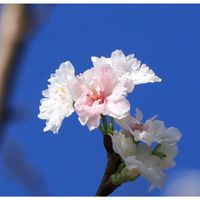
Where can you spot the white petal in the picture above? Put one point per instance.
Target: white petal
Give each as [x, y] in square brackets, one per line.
[139, 115]
[118, 108]
[118, 58]
[58, 103]
[143, 74]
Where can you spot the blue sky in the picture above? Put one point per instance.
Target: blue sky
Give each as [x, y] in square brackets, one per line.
[166, 37]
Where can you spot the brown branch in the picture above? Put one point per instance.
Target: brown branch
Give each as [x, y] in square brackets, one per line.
[12, 29]
[113, 161]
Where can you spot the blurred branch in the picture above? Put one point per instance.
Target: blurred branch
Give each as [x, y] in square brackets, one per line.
[17, 24]
[20, 169]
[13, 26]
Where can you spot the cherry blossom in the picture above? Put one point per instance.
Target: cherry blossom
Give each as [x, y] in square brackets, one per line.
[99, 91]
[58, 102]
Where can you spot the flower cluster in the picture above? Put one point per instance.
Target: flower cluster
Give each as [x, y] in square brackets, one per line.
[101, 91]
[147, 149]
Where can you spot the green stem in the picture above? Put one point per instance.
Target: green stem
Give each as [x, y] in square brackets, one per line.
[111, 123]
[102, 129]
[105, 125]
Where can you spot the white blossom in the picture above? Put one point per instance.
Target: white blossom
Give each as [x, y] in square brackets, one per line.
[128, 68]
[58, 102]
[146, 148]
[99, 91]
[123, 144]
[148, 165]
[152, 130]
[150, 162]
[138, 158]
[170, 136]
[170, 151]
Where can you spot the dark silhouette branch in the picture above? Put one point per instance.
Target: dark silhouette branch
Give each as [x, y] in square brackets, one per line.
[113, 161]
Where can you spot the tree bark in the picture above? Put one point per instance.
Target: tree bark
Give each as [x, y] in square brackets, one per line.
[106, 186]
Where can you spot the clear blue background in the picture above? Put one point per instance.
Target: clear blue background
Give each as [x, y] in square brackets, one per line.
[166, 37]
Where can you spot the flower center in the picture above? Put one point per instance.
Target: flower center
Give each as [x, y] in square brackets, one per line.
[95, 97]
[62, 93]
[138, 127]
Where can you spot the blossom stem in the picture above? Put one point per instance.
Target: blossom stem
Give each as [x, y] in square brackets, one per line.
[106, 186]
[105, 125]
[111, 123]
[101, 129]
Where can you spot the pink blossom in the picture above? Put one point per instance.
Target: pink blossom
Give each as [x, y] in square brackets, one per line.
[99, 91]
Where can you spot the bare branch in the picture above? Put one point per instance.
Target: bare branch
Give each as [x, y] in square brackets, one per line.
[12, 29]
[113, 161]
